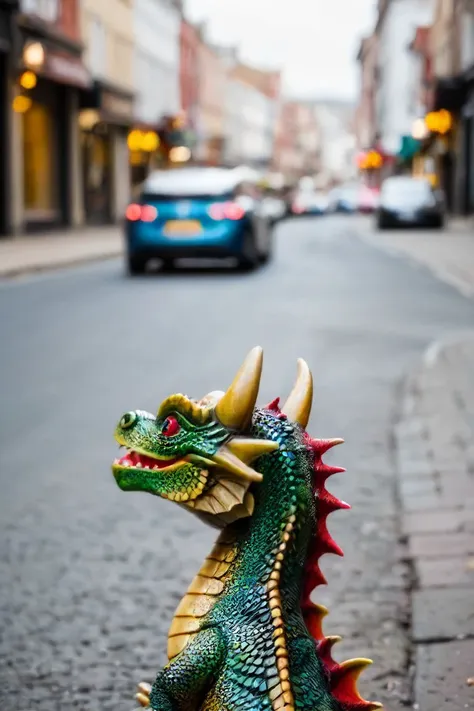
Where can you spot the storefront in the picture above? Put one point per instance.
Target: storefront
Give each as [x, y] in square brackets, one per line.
[105, 118]
[455, 96]
[49, 77]
[7, 10]
[466, 182]
[146, 152]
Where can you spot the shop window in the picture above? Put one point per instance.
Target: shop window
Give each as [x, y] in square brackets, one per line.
[40, 196]
[97, 176]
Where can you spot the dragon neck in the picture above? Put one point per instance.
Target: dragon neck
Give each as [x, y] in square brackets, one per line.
[282, 524]
[287, 530]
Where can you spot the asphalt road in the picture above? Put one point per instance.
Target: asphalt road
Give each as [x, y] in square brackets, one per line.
[89, 575]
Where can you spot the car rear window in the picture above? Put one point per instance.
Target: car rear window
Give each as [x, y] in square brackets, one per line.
[163, 197]
[402, 188]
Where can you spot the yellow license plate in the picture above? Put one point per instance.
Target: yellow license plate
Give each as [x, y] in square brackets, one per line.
[182, 228]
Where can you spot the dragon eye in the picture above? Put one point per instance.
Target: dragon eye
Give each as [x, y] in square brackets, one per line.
[128, 420]
[170, 427]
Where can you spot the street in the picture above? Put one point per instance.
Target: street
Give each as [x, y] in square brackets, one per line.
[90, 575]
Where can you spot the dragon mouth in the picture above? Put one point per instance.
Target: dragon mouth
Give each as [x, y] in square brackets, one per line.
[136, 460]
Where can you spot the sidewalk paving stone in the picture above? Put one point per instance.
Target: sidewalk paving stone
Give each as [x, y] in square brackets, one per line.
[437, 500]
[445, 572]
[456, 621]
[443, 674]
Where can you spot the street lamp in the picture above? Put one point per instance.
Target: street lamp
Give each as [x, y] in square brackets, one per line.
[33, 55]
[419, 129]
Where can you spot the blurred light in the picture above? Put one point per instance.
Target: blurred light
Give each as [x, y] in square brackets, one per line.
[297, 208]
[28, 80]
[232, 211]
[419, 129]
[88, 118]
[226, 211]
[147, 141]
[180, 154]
[149, 213]
[146, 213]
[150, 141]
[133, 212]
[134, 140]
[439, 121]
[21, 104]
[370, 161]
[33, 55]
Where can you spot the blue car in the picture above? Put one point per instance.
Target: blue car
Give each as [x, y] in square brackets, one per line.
[197, 212]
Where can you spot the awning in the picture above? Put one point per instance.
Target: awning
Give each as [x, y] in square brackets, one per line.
[409, 147]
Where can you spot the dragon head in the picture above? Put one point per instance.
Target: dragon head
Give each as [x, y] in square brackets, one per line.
[200, 453]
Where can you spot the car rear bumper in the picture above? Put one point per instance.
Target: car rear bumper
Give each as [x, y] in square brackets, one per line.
[225, 240]
[419, 218]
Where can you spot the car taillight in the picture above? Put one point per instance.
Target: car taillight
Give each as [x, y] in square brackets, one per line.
[145, 213]
[226, 211]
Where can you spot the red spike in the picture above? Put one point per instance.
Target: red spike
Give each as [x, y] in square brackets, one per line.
[344, 684]
[330, 546]
[327, 503]
[312, 579]
[274, 406]
[320, 446]
[327, 469]
[313, 616]
[324, 653]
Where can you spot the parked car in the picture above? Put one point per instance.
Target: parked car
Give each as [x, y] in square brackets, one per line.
[309, 202]
[344, 199]
[410, 202]
[197, 212]
[274, 208]
[368, 199]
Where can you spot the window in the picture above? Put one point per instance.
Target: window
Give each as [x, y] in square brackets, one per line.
[39, 163]
[97, 47]
[467, 40]
[47, 10]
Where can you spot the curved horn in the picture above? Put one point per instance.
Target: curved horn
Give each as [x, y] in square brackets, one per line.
[298, 406]
[235, 408]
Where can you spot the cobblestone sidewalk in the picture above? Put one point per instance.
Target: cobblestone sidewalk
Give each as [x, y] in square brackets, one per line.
[21, 255]
[435, 446]
[449, 253]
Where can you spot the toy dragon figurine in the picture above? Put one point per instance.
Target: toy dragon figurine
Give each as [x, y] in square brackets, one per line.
[246, 636]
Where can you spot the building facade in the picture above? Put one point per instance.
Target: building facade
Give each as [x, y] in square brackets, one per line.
[210, 119]
[156, 71]
[365, 112]
[298, 142]
[251, 103]
[336, 121]
[190, 41]
[287, 158]
[107, 110]
[452, 48]
[8, 10]
[396, 70]
[47, 79]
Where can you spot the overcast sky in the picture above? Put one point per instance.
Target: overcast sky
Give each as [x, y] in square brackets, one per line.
[315, 42]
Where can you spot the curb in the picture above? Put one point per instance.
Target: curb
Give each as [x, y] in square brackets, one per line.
[13, 272]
